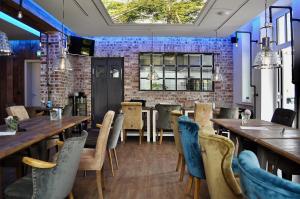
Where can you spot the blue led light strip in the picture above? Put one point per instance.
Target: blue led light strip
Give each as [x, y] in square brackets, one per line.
[19, 24]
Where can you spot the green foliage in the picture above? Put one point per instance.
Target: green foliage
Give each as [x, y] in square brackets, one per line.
[154, 11]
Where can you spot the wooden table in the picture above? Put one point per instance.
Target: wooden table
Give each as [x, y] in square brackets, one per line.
[37, 129]
[286, 145]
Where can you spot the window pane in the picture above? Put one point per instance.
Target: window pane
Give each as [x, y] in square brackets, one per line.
[169, 59]
[183, 59]
[195, 72]
[181, 84]
[144, 84]
[157, 84]
[170, 72]
[280, 30]
[170, 84]
[145, 59]
[182, 72]
[195, 84]
[157, 59]
[207, 60]
[288, 31]
[195, 60]
[207, 85]
[144, 71]
[159, 71]
[207, 73]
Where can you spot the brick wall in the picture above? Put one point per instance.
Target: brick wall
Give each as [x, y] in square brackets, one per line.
[129, 47]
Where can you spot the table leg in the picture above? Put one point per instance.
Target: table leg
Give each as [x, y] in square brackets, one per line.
[154, 125]
[148, 126]
[122, 137]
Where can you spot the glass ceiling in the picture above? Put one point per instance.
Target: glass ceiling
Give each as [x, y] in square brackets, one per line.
[154, 11]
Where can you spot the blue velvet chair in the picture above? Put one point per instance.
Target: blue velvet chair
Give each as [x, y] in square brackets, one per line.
[192, 155]
[260, 184]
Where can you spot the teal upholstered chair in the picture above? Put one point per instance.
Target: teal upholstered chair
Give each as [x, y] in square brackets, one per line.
[192, 154]
[260, 184]
[164, 117]
[50, 180]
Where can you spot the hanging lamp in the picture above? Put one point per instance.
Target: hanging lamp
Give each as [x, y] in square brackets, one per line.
[5, 49]
[62, 63]
[217, 76]
[267, 58]
[152, 75]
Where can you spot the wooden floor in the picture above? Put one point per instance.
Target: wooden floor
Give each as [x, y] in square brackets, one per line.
[146, 171]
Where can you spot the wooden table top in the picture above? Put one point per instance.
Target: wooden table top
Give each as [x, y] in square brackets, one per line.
[37, 129]
[274, 130]
[289, 148]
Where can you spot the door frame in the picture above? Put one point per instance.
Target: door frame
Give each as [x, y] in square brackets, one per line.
[92, 80]
[26, 65]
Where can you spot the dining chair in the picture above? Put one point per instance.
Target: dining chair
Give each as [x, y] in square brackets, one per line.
[132, 118]
[203, 114]
[226, 113]
[67, 110]
[113, 141]
[92, 159]
[217, 154]
[191, 150]
[163, 120]
[284, 117]
[19, 111]
[174, 124]
[50, 180]
[257, 183]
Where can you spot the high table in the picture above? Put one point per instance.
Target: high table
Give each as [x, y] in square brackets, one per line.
[286, 145]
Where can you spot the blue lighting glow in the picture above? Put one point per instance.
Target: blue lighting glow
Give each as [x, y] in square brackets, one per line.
[19, 24]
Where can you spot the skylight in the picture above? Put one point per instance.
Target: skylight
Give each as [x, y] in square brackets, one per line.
[154, 11]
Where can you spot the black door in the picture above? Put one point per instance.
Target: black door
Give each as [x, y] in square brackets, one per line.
[107, 86]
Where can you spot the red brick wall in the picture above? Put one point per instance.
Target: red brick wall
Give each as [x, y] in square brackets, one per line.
[129, 47]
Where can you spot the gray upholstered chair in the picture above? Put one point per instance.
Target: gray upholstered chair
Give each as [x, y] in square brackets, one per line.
[113, 140]
[50, 180]
[226, 113]
[164, 117]
[68, 110]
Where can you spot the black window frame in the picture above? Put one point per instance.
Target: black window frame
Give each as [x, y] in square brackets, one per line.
[178, 66]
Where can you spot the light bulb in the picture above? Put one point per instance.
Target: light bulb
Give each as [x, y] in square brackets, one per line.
[20, 14]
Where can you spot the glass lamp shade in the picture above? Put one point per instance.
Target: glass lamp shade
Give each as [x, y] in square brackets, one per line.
[62, 64]
[217, 76]
[267, 59]
[5, 49]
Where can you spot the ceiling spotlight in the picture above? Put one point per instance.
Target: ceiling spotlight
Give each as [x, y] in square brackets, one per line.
[223, 12]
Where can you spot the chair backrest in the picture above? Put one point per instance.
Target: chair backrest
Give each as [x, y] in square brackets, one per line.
[58, 181]
[18, 111]
[259, 184]
[174, 124]
[191, 148]
[217, 155]
[203, 114]
[229, 113]
[283, 116]
[132, 115]
[103, 137]
[164, 115]
[68, 110]
[115, 132]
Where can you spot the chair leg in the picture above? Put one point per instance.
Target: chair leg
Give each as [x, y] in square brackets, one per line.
[71, 196]
[110, 162]
[189, 184]
[116, 158]
[197, 188]
[178, 161]
[182, 170]
[124, 135]
[161, 136]
[102, 179]
[99, 184]
[141, 132]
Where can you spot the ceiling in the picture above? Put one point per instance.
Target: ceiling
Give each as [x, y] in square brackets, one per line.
[90, 18]
[15, 33]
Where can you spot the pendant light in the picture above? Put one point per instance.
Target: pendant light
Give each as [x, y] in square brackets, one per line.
[267, 58]
[152, 74]
[217, 76]
[62, 63]
[5, 49]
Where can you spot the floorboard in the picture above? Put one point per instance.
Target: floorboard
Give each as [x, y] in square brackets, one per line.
[145, 171]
